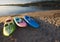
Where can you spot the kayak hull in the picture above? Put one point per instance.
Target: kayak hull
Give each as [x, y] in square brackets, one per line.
[19, 23]
[9, 28]
[31, 21]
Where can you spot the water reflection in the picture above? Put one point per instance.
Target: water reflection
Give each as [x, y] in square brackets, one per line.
[11, 10]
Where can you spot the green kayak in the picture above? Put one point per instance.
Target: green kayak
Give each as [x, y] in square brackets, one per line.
[9, 27]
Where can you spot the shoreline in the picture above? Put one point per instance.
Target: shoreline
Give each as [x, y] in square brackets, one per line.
[37, 13]
[51, 14]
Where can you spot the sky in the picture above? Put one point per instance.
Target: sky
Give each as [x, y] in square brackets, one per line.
[19, 1]
[16, 1]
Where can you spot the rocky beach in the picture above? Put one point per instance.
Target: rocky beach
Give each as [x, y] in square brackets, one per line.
[49, 30]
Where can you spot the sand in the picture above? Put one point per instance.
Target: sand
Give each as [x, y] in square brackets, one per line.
[49, 30]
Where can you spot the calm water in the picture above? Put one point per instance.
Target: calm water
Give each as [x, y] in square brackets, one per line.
[12, 10]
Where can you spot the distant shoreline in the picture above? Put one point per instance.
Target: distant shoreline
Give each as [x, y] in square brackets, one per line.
[46, 3]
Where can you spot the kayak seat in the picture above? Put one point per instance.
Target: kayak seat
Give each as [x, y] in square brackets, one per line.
[8, 20]
[6, 25]
[18, 20]
[10, 23]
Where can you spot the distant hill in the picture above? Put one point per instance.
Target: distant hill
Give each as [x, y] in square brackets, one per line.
[43, 3]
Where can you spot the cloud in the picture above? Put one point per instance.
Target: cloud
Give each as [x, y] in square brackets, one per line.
[17, 1]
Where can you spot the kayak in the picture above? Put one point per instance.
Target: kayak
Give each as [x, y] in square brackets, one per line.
[9, 27]
[19, 22]
[31, 21]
